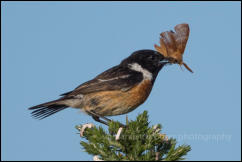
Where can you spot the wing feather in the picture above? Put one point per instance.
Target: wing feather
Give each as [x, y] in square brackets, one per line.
[116, 78]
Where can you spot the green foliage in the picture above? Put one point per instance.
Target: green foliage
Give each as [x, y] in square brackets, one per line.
[137, 141]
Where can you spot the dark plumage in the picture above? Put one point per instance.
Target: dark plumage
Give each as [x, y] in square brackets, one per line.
[116, 91]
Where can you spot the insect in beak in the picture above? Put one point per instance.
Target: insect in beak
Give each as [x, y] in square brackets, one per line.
[173, 44]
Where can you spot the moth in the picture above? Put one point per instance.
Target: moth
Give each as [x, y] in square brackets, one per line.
[173, 44]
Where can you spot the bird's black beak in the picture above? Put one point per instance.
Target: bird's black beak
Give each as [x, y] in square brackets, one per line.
[163, 60]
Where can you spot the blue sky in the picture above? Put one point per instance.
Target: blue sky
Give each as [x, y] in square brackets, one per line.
[49, 48]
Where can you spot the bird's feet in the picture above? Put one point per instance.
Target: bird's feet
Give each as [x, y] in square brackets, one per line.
[97, 117]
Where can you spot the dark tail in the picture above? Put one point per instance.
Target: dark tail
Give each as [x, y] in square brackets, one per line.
[46, 109]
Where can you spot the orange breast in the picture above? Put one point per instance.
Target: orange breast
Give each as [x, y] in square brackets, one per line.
[108, 103]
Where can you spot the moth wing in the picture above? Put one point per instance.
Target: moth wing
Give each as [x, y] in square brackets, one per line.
[181, 36]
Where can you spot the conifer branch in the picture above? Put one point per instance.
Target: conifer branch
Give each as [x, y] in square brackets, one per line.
[138, 141]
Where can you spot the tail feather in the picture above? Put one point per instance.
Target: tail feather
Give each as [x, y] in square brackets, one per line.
[46, 109]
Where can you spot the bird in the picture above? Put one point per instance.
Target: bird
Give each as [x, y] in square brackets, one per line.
[116, 91]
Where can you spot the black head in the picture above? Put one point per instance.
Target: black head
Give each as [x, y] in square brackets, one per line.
[150, 60]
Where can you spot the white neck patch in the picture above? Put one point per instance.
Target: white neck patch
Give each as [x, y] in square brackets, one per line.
[146, 74]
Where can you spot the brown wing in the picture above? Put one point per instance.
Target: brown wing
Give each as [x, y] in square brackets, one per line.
[173, 44]
[116, 78]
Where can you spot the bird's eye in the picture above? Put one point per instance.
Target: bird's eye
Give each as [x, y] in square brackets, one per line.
[152, 58]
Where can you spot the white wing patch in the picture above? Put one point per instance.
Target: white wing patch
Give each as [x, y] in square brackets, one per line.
[137, 67]
[122, 77]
